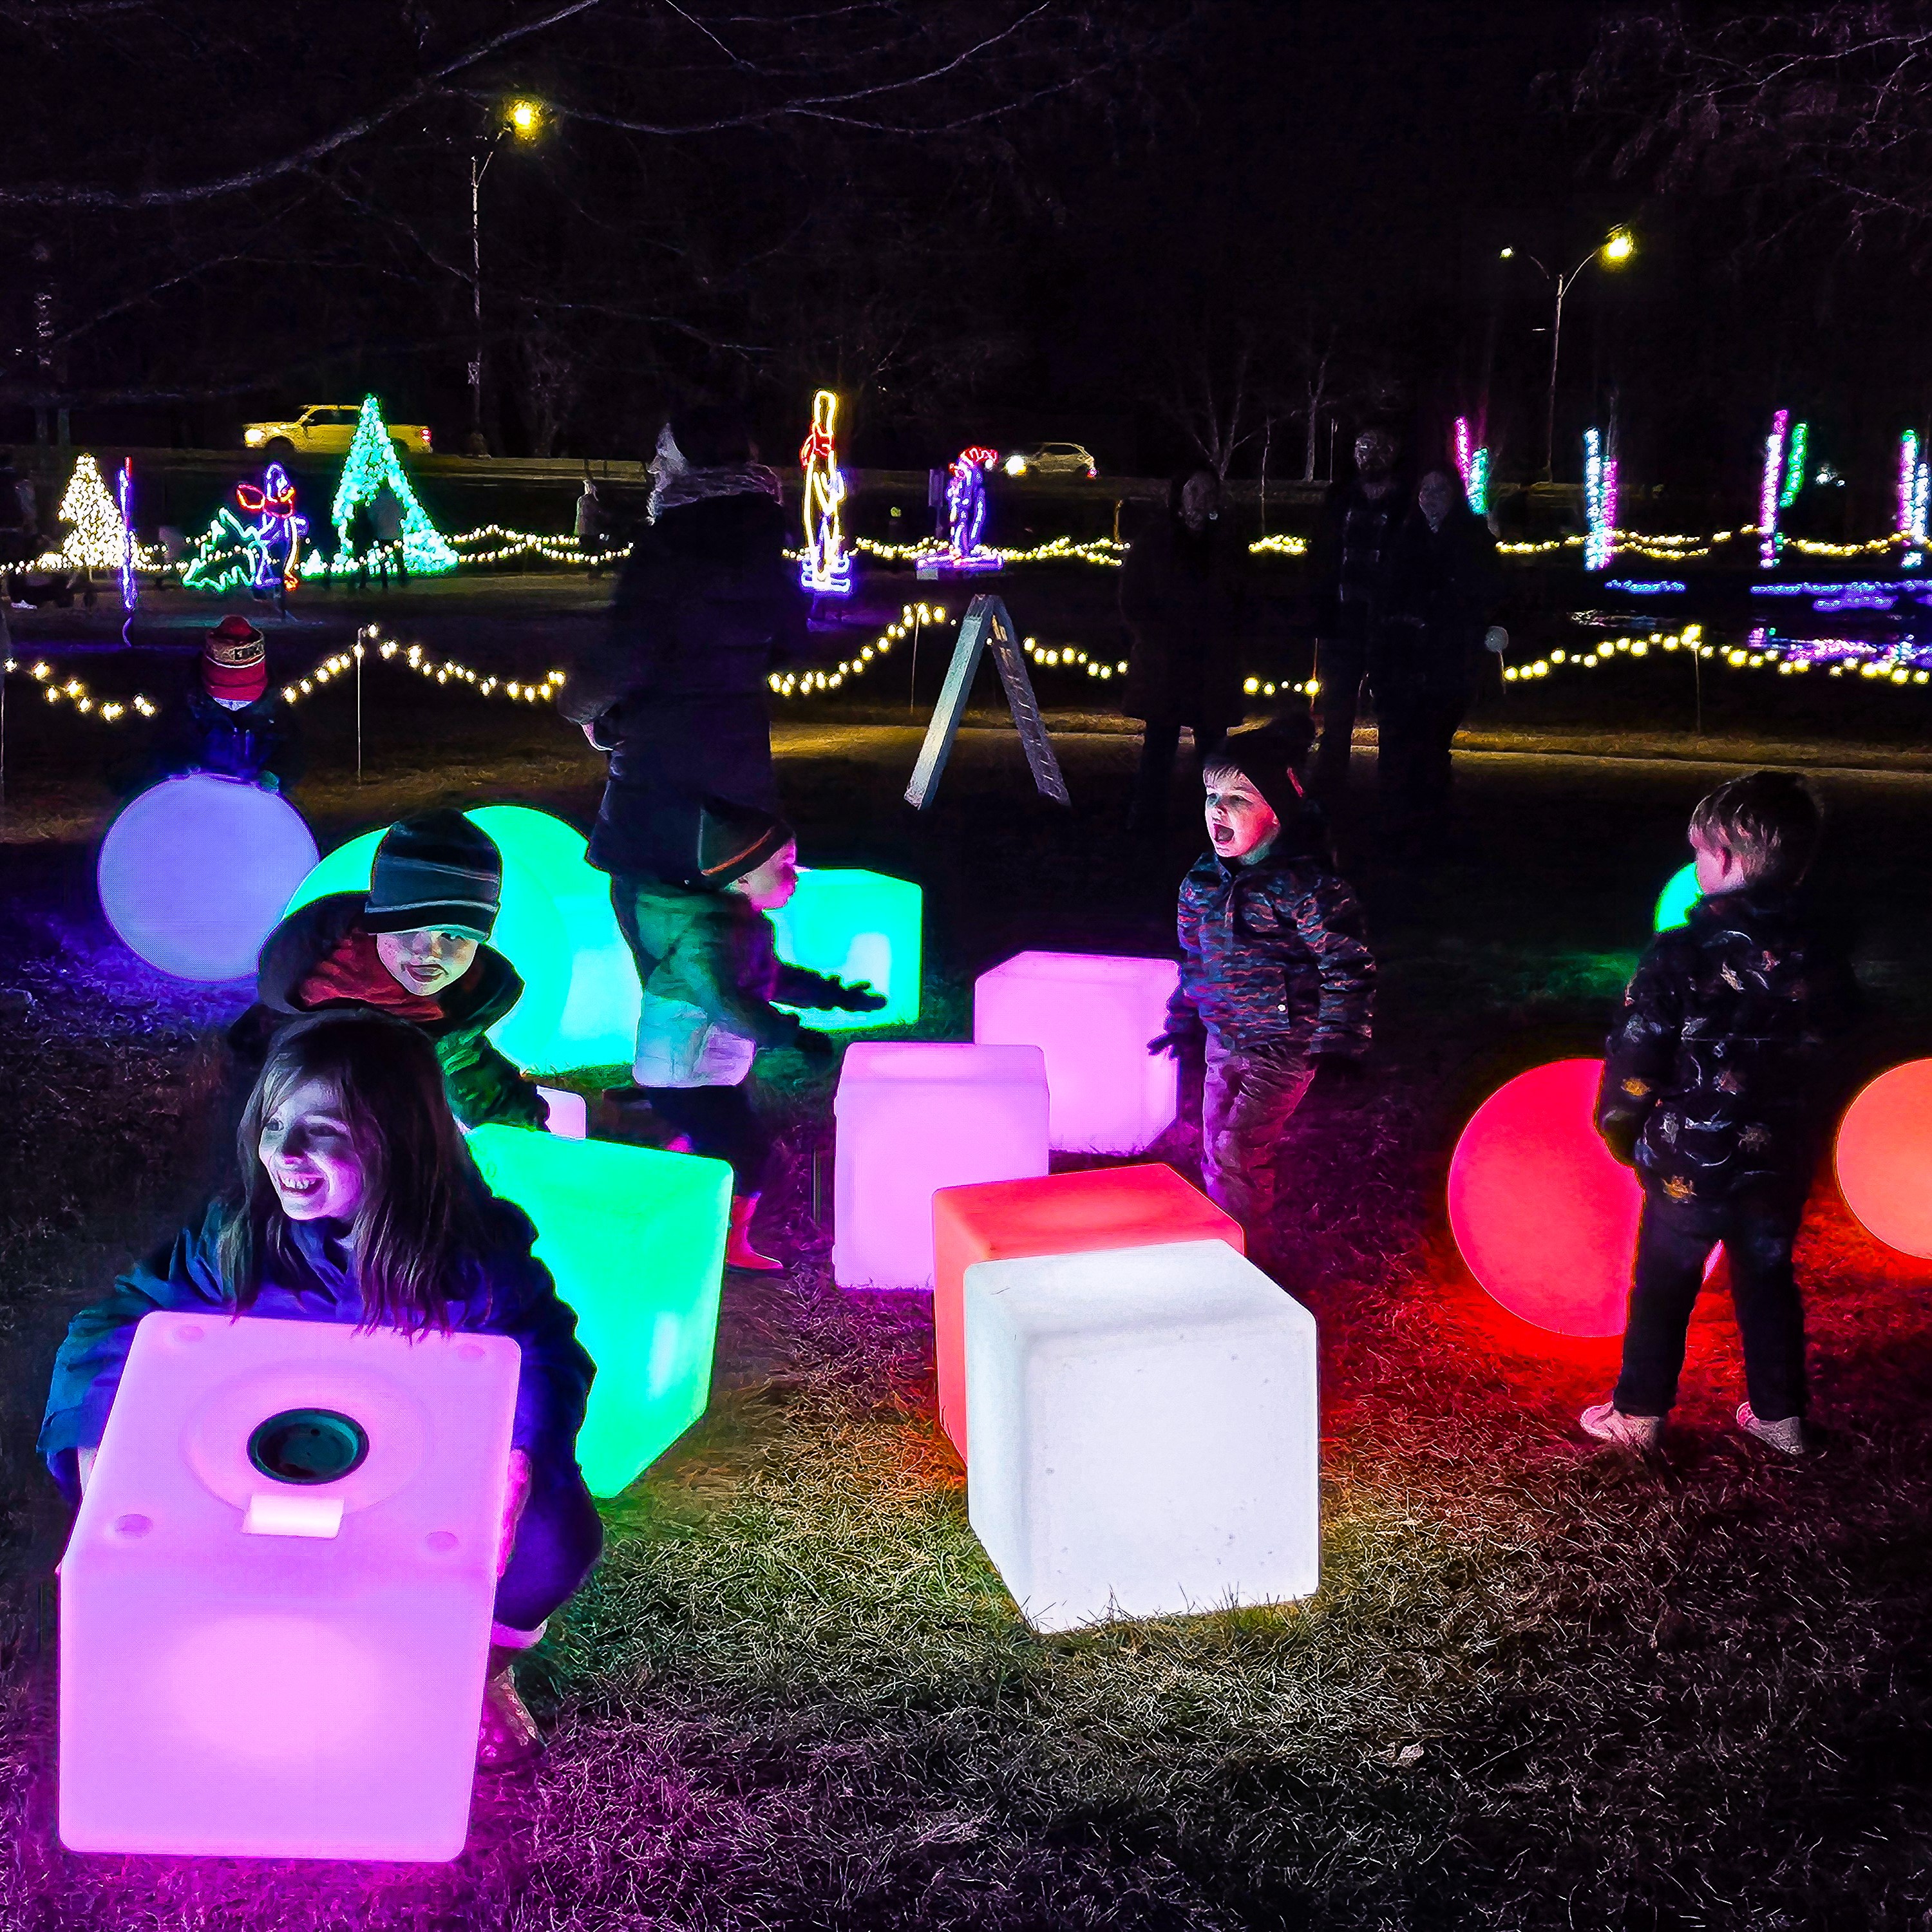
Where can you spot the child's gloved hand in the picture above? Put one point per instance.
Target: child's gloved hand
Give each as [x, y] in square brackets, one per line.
[815, 1044]
[858, 999]
[1177, 1040]
[1335, 1075]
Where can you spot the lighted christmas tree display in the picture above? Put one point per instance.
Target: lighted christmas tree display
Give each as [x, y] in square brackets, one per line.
[371, 463]
[98, 539]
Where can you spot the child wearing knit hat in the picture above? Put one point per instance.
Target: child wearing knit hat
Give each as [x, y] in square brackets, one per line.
[227, 722]
[415, 946]
[1276, 978]
[708, 962]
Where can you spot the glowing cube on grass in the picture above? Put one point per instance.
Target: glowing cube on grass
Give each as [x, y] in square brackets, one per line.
[914, 1117]
[1058, 1214]
[856, 926]
[275, 1606]
[635, 1239]
[1144, 1432]
[555, 925]
[1092, 1014]
[1883, 1157]
[194, 872]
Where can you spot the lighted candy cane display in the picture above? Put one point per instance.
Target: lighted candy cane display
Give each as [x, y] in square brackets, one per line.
[1600, 503]
[1472, 465]
[1769, 488]
[827, 569]
[130, 584]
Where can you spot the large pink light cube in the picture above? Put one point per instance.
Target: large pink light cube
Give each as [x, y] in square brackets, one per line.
[1058, 1214]
[915, 1116]
[1092, 1014]
[275, 1606]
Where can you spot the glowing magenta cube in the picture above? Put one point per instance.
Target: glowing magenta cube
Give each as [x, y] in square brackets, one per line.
[1144, 1433]
[275, 1606]
[914, 1117]
[1092, 1015]
[1056, 1214]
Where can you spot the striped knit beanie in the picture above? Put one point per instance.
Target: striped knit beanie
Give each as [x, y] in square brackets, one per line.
[734, 839]
[435, 870]
[234, 661]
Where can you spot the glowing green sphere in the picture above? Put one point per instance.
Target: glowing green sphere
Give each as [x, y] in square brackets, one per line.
[1674, 901]
[635, 1240]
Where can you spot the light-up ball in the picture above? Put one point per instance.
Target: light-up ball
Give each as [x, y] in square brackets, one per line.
[554, 926]
[194, 872]
[1674, 901]
[1545, 1217]
[1884, 1159]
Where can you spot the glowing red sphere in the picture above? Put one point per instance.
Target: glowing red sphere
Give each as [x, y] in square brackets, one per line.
[1545, 1218]
[1884, 1159]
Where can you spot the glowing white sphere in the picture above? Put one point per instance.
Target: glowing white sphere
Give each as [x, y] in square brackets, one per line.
[194, 872]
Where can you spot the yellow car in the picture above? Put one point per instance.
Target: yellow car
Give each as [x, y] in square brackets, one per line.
[328, 429]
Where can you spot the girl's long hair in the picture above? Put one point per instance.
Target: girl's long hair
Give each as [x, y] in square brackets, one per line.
[418, 1236]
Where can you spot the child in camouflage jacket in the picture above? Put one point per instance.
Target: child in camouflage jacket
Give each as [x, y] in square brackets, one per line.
[1714, 1090]
[1276, 975]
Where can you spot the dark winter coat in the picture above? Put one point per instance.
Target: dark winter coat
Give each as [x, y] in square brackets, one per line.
[1183, 598]
[709, 963]
[1716, 1078]
[1352, 542]
[1433, 603]
[705, 605]
[1274, 953]
[483, 1085]
[195, 734]
[511, 1293]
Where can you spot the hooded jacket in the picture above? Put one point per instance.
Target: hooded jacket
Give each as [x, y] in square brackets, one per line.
[677, 693]
[483, 1085]
[710, 969]
[1716, 1078]
[1274, 954]
[510, 1293]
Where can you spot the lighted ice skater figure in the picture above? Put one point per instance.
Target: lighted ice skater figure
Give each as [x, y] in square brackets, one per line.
[827, 568]
[965, 515]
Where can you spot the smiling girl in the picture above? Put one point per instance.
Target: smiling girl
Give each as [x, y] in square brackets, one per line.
[358, 1202]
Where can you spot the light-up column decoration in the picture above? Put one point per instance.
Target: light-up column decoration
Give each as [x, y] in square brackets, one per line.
[1600, 503]
[1768, 488]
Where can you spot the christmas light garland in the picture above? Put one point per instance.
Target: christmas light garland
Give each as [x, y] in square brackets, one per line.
[73, 690]
[1899, 662]
[369, 641]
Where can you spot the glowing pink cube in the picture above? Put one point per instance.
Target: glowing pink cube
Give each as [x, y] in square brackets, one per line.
[915, 1116]
[275, 1606]
[1092, 1014]
[1058, 1214]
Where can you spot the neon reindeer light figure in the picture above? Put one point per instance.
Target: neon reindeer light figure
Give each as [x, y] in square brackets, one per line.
[827, 568]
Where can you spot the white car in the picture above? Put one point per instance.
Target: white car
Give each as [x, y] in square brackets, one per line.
[328, 429]
[1053, 459]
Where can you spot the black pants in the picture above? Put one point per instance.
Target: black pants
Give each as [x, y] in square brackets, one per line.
[559, 1538]
[1414, 727]
[1674, 1240]
[1340, 665]
[1153, 782]
[719, 1121]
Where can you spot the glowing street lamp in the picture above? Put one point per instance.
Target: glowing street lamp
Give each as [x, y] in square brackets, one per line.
[524, 118]
[1616, 248]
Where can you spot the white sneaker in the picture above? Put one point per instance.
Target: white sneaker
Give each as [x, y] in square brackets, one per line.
[1608, 1424]
[1787, 1436]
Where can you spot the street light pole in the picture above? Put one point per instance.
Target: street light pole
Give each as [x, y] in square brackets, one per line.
[1616, 248]
[523, 118]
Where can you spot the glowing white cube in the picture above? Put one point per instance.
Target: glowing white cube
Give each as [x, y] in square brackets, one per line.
[1143, 1424]
[1092, 1014]
[275, 1605]
[914, 1117]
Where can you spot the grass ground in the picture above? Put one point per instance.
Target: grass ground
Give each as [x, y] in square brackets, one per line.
[1538, 1688]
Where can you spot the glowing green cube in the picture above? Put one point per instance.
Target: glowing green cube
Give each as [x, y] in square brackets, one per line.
[1674, 901]
[635, 1241]
[555, 926]
[856, 926]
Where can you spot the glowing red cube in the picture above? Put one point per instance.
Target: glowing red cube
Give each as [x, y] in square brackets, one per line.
[275, 1605]
[1059, 1214]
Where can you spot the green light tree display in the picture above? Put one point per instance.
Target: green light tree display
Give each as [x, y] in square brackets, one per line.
[371, 463]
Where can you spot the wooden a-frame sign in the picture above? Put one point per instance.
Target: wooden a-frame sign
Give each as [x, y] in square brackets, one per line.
[987, 622]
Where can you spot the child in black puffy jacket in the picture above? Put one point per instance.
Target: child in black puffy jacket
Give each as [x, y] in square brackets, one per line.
[1715, 1089]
